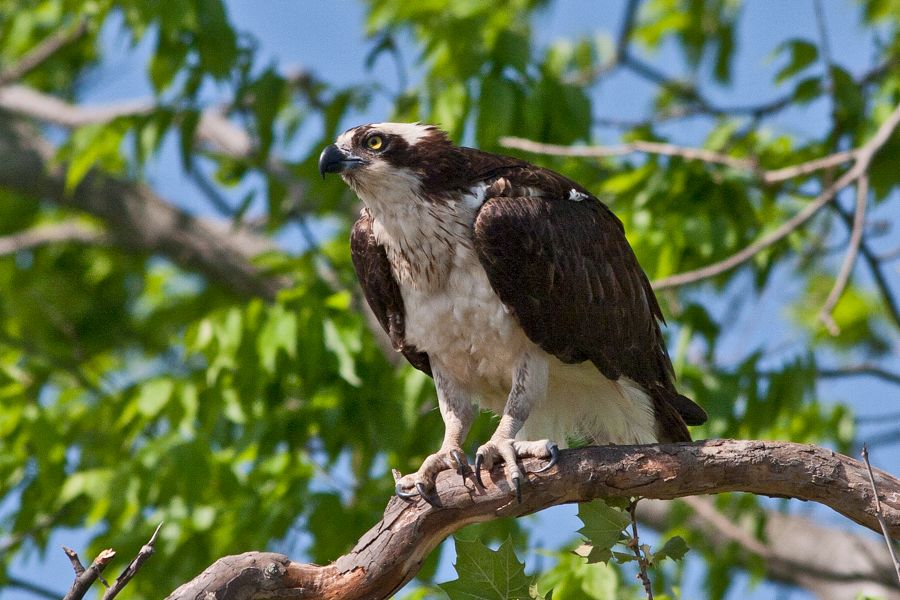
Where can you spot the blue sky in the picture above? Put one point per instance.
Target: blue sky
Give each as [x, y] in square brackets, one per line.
[328, 38]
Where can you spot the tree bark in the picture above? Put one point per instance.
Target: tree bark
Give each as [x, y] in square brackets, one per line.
[391, 553]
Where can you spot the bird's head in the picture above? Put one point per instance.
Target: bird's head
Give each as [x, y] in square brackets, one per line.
[381, 159]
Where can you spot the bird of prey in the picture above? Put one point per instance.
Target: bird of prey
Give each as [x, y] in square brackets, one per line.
[516, 290]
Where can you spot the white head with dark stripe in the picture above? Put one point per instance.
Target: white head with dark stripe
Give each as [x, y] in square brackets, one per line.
[390, 162]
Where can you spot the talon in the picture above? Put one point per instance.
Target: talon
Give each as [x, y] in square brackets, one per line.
[554, 457]
[462, 461]
[420, 487]
[518, 485]
[403, 495]
[479, 459]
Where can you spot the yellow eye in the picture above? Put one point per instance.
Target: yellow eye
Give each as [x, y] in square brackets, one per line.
[375, 142]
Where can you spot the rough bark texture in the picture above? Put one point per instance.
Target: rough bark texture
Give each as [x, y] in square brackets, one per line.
[391, 553]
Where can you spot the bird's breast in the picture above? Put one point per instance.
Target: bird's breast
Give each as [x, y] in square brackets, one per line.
[465, 328]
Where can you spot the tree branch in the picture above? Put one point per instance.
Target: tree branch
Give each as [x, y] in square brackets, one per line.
[391, 553]
[69, 231]
[137, 218]
[875, 267]
[863, 157]
[40, 53]
[794, 549]
[843, 276]
[85, 578]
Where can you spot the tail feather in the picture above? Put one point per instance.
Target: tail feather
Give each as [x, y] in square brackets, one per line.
[674, 413]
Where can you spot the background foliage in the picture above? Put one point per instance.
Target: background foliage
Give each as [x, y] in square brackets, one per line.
[135, 387]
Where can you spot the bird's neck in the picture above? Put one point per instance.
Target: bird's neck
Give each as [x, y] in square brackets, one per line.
[424, 240]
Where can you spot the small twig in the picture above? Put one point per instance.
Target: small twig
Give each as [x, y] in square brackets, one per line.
[875, 267]
[843, 277]
[40, 53]
[701, 154]
[131, 570]
[76, 562]
[635, 544]
[84, 580]
[818, 164]
[878, 514]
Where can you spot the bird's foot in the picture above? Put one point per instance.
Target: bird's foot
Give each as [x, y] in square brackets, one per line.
[510, 450]
[421, 483]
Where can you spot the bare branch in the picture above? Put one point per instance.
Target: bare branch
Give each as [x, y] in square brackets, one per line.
[862, 160]
[700, 154]
[879, 514]
[76, 562]
[131, 570]
[84, 580]
[843, 276]
[391, 553]
[40, 53]
[70, 231]
[31, 103]
[806, 168]
[875, 268]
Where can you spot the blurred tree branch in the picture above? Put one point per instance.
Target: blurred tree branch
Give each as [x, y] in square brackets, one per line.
[795, 549]
[137, 218]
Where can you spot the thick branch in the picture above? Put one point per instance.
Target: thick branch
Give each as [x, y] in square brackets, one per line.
[391, 553]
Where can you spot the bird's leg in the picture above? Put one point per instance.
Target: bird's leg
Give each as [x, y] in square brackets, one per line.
[458, 413]
[529, 388]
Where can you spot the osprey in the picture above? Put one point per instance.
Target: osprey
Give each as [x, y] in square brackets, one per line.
[516, 290]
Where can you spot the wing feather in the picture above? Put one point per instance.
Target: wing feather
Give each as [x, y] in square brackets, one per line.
[566, 270]
[381, 289]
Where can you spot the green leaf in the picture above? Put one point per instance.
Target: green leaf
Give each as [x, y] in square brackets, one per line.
[603, 527]
[153, 396]
[340, 343]
[674, 548]
[802, 55]
[487, 574]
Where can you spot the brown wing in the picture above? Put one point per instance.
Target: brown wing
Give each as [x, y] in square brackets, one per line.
[558, 258]
[381, 289]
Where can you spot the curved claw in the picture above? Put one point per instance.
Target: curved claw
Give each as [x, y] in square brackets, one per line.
[420, 487]
[403, 495]
[479, 459]
[554, 457]
[518, 484]
[462, 461]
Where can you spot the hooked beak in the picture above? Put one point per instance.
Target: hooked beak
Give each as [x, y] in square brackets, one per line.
[335, 160]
